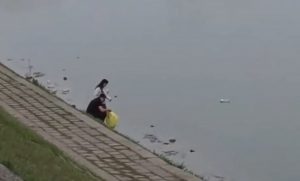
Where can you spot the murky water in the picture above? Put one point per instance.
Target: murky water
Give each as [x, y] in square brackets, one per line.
[170, 62]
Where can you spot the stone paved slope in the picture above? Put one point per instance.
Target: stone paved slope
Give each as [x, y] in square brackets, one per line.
[105, 153]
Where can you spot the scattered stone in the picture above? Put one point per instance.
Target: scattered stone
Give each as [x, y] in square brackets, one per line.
[28, 76]
[115, 96]
[211, 177]
[38, 74]
[172, 140]
[191, 150]
[152, 138]
[53, 91]
[166, 143]
[171, 153]
[50, 86]
[74, 105]
[9, 59]
[152, 126]
[65, 78]
[65, 91]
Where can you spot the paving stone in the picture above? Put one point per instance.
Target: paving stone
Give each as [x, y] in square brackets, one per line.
[46, 118]
[120, 147]
[119, 156]
[140, 169]
[98, 152]
[108, 160]
[93, 158]
[170, 178]
[81, 151]
[113, 144]
[101, 164]
[144, 179]
[124, 160]
[127, 152]
[108, 149]
[130, 164]
[114, 172]
[155, 177]
[158, 171]
[123, 178]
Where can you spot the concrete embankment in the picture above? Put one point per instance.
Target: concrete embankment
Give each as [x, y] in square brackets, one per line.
[104, 152]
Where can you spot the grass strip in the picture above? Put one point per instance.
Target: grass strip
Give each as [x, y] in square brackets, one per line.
[32, 158]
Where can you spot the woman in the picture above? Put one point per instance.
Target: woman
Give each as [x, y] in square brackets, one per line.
[100, 89]
[97, 107]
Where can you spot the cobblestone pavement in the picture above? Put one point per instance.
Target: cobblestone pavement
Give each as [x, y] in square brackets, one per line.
[105, 153]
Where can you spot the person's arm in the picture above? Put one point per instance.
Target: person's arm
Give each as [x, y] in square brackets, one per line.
[105, 92]
[97, 92]
[102, 109]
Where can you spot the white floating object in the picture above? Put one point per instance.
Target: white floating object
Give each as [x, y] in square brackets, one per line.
[38, 74]
[53, 91]
[224, 100]
[65, 91]
[50, 86]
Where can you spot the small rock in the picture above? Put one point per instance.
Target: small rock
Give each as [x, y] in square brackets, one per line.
[53, 91]
[171, 153]
[50, 86]
[191, 150]
[225, 101]
[28, 76]
[172, 140]
[115, 96]
[38, 74]
[166, 143]
[65, 91]
[152, 126]
[65, 78]
[152, 138]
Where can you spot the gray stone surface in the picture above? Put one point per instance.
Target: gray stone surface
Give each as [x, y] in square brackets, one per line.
[7, 175]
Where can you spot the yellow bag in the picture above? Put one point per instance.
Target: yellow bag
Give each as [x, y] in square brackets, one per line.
[111, 120]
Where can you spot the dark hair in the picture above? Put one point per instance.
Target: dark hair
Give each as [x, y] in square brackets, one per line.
[101, 84]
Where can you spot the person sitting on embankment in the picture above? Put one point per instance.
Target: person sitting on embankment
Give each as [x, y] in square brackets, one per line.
[97, 107]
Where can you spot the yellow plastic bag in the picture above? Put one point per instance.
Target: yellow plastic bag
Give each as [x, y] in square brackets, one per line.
[111, 120]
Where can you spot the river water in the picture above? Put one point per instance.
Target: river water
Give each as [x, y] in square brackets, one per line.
[169, 62]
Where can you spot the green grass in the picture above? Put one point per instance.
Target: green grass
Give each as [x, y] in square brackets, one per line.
[34, 159]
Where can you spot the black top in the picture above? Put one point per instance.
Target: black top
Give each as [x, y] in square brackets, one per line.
[93, 108]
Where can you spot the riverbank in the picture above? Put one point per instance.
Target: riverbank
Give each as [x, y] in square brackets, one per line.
[104, 152]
